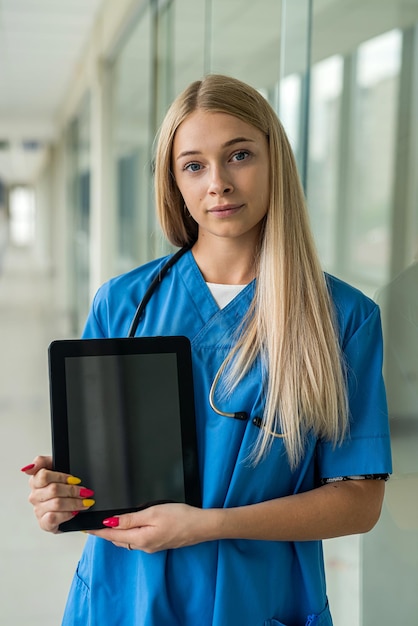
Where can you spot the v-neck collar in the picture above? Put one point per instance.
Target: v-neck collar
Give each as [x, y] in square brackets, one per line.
[205, 303]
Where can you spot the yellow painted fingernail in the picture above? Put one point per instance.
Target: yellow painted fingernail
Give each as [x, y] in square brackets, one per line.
[88, 502]
[73, 480]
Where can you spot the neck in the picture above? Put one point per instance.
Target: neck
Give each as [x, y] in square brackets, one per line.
[224, 261]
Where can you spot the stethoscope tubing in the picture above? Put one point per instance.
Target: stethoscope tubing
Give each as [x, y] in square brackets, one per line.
[240, 415]
[155, 282]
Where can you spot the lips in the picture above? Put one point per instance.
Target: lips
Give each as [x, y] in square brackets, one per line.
[225, 209]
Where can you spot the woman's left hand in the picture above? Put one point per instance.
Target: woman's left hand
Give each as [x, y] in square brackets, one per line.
[333, 510]
[160, 527]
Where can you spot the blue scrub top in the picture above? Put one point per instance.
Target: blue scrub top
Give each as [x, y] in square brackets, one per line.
[230, 582]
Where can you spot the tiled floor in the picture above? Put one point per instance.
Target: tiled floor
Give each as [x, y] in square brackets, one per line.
[35, 568]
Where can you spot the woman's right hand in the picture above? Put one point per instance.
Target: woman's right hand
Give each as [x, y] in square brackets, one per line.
[56, 497]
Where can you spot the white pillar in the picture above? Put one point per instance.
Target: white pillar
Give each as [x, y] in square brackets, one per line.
[102, 213]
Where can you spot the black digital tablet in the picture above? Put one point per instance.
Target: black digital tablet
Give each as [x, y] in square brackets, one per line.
[123, 421]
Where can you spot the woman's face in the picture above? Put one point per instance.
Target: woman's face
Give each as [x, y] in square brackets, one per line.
[221, 167]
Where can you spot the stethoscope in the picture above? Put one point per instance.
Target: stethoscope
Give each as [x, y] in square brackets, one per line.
[240, 415]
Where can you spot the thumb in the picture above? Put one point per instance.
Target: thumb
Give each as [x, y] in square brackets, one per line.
[126, 521]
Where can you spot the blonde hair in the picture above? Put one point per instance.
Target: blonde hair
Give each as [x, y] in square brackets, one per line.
[291, 322]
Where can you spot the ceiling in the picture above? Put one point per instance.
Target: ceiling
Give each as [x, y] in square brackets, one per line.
[41, 43]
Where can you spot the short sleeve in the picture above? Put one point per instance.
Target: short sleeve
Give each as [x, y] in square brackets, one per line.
[93, 328]
[366, 449]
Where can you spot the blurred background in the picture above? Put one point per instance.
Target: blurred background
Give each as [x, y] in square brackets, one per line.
[84, 86]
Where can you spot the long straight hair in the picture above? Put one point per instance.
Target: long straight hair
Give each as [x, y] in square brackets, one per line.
[291, 324]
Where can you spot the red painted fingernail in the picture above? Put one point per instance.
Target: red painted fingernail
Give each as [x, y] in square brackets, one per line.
[28, 467]
[86, 493]
[74, 513]
[112, 522]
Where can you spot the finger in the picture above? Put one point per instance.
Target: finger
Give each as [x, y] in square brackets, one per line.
[38, 463]
[119, 543]
[51, 520]
[60, 490]
[125, 546]
[41, 473]
[149, 516]
[44, 477]
[127, 521]
[119, 538]
[61, 505]
[54, 512]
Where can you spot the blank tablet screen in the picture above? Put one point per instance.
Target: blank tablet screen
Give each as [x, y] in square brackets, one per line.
[129, 430]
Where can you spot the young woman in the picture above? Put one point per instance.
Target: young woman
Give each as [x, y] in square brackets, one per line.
[299, 351]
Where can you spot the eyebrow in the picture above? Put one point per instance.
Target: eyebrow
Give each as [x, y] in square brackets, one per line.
[227, 144]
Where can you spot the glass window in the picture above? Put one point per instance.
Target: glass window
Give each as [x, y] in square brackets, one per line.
[189, 42]
[324, 141]
[290, 109]
[390, 551]
[79, 194]
[357, 102]
[374, 128]
[245, 42]
[163, 80]
[164, 62]
[354, 101]
[22, 216]
[132, 132]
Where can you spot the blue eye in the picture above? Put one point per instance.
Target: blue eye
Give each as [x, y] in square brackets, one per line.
[192, 167]
[241, 155]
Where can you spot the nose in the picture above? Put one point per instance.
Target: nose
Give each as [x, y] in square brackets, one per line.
[219, 183]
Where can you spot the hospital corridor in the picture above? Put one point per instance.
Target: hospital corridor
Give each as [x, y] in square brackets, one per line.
[84, 88]
[35, 568]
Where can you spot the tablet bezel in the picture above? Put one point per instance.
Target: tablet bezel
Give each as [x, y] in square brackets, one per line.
[60, 350]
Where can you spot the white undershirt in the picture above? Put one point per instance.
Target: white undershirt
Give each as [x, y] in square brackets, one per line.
[224, 294]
